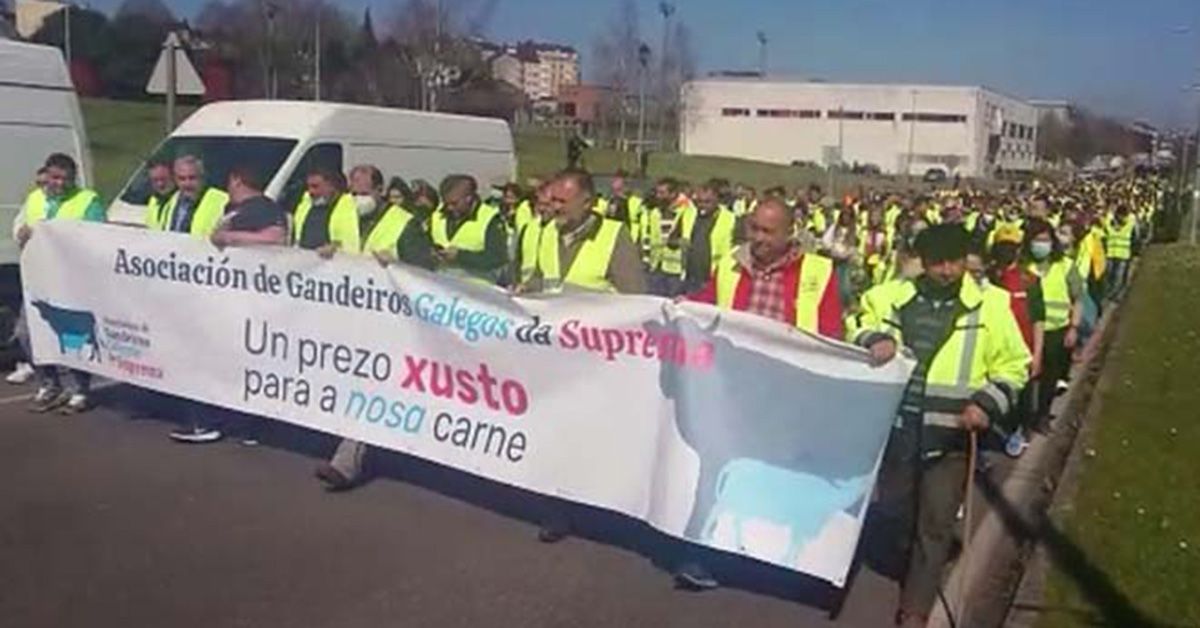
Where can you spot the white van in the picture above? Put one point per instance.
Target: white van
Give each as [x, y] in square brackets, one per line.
[286, 139]
[39, 115]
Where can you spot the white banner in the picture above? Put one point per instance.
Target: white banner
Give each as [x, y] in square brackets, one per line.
[721, 428]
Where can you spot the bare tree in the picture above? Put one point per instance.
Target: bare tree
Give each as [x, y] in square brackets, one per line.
[617, 66]
[440, 40]
[679, 67]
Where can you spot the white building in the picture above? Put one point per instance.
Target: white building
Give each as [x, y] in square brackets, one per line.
[970, 131]
[540, 70]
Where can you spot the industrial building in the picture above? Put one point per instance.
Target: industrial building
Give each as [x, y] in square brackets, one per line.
[899, 129]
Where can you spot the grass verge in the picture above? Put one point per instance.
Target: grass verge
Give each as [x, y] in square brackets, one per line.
[1134, 523]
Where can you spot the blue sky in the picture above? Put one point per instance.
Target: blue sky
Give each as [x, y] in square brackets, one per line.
[1122, 57]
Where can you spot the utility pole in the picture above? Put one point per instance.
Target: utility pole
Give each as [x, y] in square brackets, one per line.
[762, 54]
[172, 80]
[1196, 169]
[271, 85]
[317, 53]
[667, 9]
[912, 131]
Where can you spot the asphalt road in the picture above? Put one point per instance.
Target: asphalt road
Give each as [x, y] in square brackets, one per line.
[105, 522]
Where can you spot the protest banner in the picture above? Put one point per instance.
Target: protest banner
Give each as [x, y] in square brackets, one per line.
[722, 428]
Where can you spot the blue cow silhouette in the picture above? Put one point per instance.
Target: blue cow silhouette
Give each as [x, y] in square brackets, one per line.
[754, 491]
[776, 442]
[76, 329]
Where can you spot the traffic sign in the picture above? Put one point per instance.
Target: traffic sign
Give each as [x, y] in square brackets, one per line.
[187, 80]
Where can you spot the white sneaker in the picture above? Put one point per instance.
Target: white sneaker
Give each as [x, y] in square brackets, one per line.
[76, 403]
[196, 434]
[21, 374]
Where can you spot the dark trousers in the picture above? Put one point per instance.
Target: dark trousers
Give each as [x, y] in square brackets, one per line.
[923, 498]
[1116, 276]
[1056, 365]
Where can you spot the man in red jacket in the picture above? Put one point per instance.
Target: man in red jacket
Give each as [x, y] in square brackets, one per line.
[770, 276]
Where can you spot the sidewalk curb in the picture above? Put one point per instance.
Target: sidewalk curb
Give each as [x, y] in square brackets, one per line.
[1002, 541]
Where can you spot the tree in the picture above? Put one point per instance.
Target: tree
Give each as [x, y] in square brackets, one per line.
[680, 67]
[138, 31]
[437, 39]
[617, 65]
[152, 10]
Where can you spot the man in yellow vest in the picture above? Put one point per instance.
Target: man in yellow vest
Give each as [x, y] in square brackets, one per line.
[582, 251]
[579, 249]
[662, 239]
[469, 235]
[706, 228]
[625, 205]
[1121, 243]
[390, 234]
[161, 177]
[326, 219]
[529, 239]
[772, 277]
[194, 208]
[389, 231]
[971, 363]
[59, 198]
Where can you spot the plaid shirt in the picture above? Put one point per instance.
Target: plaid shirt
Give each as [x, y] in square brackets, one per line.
[766, 287]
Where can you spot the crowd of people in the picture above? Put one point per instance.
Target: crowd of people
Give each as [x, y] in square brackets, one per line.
[992, 292]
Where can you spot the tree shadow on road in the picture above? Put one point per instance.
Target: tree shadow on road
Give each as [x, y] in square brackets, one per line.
[1111, 606]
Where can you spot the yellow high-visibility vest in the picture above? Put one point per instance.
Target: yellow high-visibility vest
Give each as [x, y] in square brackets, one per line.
[471, 236]
[815, 274]
[1120, 239]
[343, 222]
[984, 355]
[589, 269]
[1056, 292]
[206, 213]
[71, 208]
[386, 233]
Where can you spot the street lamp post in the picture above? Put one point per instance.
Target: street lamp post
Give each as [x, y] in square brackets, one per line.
[317, 53]
[762, 54]
[643, 63]
[1196, 171]
[667, 9]
[271, 85]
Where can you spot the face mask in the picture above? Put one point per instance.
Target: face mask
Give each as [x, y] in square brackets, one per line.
[320, 201]
[1040, 250]
[1067, 238]
[365, 203]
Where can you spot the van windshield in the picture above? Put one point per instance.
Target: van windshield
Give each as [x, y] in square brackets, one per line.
[220, 154]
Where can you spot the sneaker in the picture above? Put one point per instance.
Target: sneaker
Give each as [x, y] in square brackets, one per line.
[196, 434]
[21, 374]
[76, 403]
[249, 441]
[47, 398]
[694, 577]
[1061, 386]
[1016, 444]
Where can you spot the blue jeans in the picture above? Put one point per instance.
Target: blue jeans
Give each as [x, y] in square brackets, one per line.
[1117, 275]
[78, 382]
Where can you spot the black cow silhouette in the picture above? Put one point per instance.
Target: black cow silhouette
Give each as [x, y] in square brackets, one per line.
[783, 425]
[76, 329]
